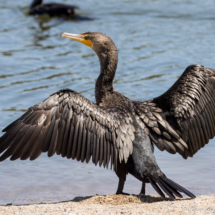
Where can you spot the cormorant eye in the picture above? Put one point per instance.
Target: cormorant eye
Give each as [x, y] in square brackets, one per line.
[87, 37]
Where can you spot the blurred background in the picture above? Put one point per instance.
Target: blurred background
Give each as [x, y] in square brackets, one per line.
[156, 40]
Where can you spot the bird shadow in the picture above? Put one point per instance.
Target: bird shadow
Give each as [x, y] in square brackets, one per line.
[111, 199]
[123, 199]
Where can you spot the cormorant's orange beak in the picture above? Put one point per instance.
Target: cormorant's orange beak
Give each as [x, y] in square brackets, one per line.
[82, 38]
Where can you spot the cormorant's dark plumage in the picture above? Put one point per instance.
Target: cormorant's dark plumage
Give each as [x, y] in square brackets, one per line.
[118, 130]
[52, 9]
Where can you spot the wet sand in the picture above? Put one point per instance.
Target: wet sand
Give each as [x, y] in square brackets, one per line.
[118, 204]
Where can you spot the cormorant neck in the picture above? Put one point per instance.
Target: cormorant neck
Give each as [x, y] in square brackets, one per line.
[35, 3]
[104, 84]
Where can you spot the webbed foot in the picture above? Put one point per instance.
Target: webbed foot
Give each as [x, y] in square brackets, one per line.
[122, 193]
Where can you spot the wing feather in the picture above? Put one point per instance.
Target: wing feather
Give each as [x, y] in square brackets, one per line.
[101, 150]
[53, 143]
[62, 128]
[104, 151]
[30, 143]
[72, 126]
[70, 139]
[84, 146]
[97, 148]
[48, 138]
[37, 147]
[186, 112]
[88, 153]
[108, 153]
[20, 148]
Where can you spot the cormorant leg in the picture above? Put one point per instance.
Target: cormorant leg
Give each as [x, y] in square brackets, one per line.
[143, 189]
[121, 186]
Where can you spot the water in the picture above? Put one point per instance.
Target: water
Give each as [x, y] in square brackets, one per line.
[156, 40]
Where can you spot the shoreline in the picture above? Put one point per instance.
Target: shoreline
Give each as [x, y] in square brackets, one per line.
[117, 204]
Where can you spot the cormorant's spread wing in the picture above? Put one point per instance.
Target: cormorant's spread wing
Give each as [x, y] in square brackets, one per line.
[72, 126]
[183, 118]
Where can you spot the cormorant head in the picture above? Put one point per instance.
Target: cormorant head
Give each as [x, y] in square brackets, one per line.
[99, 42]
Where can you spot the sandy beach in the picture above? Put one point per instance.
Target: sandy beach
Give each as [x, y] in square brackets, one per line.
[118, 204]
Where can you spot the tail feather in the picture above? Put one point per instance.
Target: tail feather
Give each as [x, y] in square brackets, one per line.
[155, 186]
[169, 193]
[171, 188]
[178, 187]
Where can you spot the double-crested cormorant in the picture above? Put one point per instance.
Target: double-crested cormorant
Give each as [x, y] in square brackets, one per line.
[52, 9]
[116, 129]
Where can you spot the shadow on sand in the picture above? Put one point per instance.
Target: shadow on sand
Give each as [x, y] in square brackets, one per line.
[113, 199]
[123, 199]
